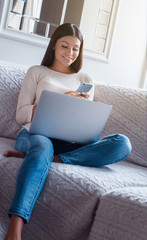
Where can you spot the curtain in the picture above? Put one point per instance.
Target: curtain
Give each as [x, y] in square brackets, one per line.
[145, 82]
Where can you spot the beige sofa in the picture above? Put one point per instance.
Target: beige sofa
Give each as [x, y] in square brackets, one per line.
[82, 203]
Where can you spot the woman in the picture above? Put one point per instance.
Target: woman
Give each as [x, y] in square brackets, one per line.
[58, 72]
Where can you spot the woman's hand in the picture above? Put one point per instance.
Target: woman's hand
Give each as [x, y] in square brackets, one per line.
[84, 95]
[33, 111]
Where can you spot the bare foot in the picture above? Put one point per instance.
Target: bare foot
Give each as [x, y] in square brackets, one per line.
[13, 153]
[15, 228]
[57, 159]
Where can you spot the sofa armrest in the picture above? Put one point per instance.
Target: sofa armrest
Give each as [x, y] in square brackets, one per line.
[128, 117]
[11, 77]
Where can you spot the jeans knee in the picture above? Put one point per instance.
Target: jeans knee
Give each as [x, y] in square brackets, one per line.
[40, 141]
[124, 143]
[42, 146]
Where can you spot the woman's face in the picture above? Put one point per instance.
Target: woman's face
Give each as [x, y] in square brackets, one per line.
[66, 51]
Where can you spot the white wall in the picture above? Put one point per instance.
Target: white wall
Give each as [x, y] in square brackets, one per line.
[20, 52]
[127, 57]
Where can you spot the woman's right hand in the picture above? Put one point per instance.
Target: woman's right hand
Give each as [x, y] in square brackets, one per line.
[33, 111]
[84, 95]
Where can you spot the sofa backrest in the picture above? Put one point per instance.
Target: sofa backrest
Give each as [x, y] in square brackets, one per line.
[128, 117]
[11, 77]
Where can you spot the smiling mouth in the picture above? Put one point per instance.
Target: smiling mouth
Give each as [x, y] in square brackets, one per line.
[68, 58]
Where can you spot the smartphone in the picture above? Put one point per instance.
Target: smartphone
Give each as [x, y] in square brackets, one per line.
[84, 87]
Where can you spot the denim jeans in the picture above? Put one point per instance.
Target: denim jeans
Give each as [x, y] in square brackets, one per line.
[39, 151]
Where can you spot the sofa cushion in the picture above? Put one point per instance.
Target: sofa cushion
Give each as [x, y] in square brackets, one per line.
[122, 214]
[11, 77]
[128, 117]
[70, 197]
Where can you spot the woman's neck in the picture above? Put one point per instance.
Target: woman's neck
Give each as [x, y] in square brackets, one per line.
[61, 69]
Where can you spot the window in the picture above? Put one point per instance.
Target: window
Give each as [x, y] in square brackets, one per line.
[37, 19]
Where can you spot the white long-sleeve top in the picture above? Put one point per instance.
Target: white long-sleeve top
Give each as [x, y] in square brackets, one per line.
[39, 78]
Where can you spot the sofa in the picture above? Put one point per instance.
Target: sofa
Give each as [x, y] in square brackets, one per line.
[81, 203]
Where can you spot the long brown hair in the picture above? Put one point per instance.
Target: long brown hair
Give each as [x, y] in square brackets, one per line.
[66, 29]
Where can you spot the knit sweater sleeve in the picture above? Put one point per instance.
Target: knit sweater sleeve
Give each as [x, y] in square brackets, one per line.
[27, 97]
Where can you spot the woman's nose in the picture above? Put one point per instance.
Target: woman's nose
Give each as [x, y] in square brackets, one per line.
[70, 51]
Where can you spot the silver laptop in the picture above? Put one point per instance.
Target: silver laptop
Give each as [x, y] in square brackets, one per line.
[69, 118]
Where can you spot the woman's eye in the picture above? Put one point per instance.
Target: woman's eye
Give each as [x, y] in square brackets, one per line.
[76, 49]
[64, 46]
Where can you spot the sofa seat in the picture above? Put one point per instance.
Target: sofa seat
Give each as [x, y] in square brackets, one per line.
[77, 192]
[81, 203]
[122, 214]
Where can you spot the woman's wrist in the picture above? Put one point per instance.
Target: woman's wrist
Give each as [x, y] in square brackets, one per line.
[33, 111]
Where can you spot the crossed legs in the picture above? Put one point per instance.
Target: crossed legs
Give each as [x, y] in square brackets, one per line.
[38, 153]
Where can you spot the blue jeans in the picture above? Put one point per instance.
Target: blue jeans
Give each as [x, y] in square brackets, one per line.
[39, 152]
